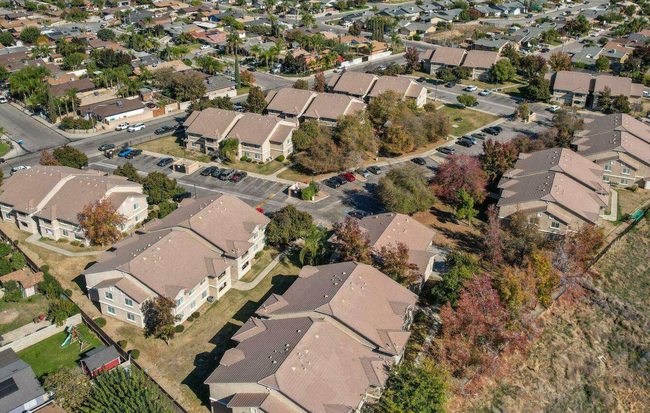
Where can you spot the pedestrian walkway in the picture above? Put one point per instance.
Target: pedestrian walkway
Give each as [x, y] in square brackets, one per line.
[613, 209]
[34, 239]
[242, 286]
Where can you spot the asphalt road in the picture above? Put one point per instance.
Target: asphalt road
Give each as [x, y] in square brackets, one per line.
[35, 135]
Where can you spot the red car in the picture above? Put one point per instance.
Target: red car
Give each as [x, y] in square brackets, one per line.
[260, 210]
[348, 176]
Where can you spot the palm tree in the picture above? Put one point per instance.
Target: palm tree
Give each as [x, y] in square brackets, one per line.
[255, 51]
[395, 41]
[307, 19]
[314, 248]
[72, 95]
[234, 41]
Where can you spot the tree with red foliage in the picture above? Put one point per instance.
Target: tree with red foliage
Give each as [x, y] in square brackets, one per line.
[560, 61]
[100, 221]
[394, 262]
[47, 159]
[497, 158]
[319, 82]
[477, 332]
[576, 250]
[456, 173]
[412, 59]
[352, 244]
[493, 238]
[247, 78]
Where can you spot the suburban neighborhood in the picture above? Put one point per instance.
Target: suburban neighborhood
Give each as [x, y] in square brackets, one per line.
[324, 206]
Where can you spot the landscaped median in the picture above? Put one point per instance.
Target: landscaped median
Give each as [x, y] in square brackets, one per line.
[466, 120]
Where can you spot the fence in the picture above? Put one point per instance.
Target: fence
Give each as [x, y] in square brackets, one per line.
[90, 323]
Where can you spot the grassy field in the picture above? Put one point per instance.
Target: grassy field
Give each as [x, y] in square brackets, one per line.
[262, 262]
[171, 145]
[466, 119]
[48, 356]
[14, 315]
[4, 148]
[263, 169]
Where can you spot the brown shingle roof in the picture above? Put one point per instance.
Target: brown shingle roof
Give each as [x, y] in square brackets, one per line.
[576, 82]
[401, 85]
[480, 59]
[333, 106]
[449, 56]
[289, 100]
[211, 122]
[353, 83]
[24, 278]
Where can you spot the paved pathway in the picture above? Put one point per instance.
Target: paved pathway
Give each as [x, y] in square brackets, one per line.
[613, 211]
[242, 286]
[34, 239]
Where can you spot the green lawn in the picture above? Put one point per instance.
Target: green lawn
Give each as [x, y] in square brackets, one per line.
[263, 169]
[243, 90]
[466, 119]
[48, 356]
[4, 148]
[15, 315]
[171, 145]
[267, 256]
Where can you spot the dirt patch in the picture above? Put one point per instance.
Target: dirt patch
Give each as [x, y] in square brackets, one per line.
[8, 316]
[450, 233]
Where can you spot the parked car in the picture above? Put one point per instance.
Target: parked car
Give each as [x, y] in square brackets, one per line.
[338, 70]
[479, 136]
[485, 92]
[19, 168]
[3, 99]
[226, 174]
[217, 172]
[3, 160]
[348, 176]
[238, 176]
[462, 142]
[133, 153]
[450, 84]
[163, 129]
[446, 150]
[358, 214]
[375, 170]
[165, 162]
[260, 210]
[469, 138]
[470, 88]
[473, 105]
[419, 161]
[106, 147]
[124, 152]
[490, 131]
[497, 128]
[180, 197]
[205, 47]
[554, 108]
[122, 126]
[208, 171]
[332, 183]
[136, 127]
[340, 180]
[422, 79]
[363, 172]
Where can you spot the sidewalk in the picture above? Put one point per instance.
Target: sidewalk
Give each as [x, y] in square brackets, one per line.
[242, 286]
[34, 239]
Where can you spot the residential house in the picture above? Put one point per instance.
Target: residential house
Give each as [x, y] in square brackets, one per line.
[46, 200]
[416, 28]
[111, 111]
[620, 145]
[557, 189]
[442, 57]
[194, 253]
[80, 86]
[494, 45]
[20, 390]
[262, 138]
[220, 86]
[480, 61]
[289, 103]
[27, 281]
[99, 360]
[406, 88]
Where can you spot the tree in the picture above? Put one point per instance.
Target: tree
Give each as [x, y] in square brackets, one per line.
[247, 78]
[159, 188]
[459, 172]
[73, 61]
[538, 88]
[69, 156]
[186, 87]
[404, 190]
[126, 391]
[493, 237]
[497, 158]
[602, 64]
[47, 159]
[466, 100]
[319, 82]
[621, 104]
[533, 65]
[351, 243]
[71, 387]
[394, 262]
[415, 388]
[395, 141]
[101, 222]
[412, 59]
[517, 288]
[301, 84]
[106, 35]
[314, 250]
[129, 172]
[13, 293]
[30, 34]
[18, 261]
[355, 29]
[6, 39]
[502, 71]
[229, 149]
[604, 101]
[578, 27]
[464, 208]
[566, 123]
[159, 318]
[560, 61]
[576, 250]
[288, 225]
[305, 134]
[60, 310]
[547, 279]
[460, 268]
[255, 102]
[523, 111]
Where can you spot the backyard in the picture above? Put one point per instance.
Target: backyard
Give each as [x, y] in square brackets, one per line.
[14, 315]
[466, 120]
[48, 356]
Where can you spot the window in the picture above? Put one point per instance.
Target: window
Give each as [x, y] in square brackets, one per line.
[255, 247]
[109, 295]
[605, 178]
[136, 206]
[257, 156]
[110, 310]
[130, 317]
[49, 231]
[138, 218]
[191, 292]
[608, 168]
[222, 286]
[179, 302]
[551, 217]
[193, 304]
[65, 233]
[205, 294]
[7, 215]
[128, 302]
[243, 267]
[625, 171]
[555, 225]
[24, 224]
[623, 181]
[78, 237]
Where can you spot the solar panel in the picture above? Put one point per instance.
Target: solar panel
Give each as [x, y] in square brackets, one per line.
[7, 387]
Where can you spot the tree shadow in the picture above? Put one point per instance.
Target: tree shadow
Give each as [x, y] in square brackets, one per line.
[467, 241]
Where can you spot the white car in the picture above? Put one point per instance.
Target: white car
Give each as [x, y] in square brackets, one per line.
[485, 92]
[136, 127]
[554, 108]
[122, 126]
[646, 94]
[3, 99]
[470, 88]
[19, 168]
[205, 47]
[338, 70]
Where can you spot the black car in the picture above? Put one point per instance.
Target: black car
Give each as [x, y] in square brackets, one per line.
[208, 171]
[419, 161]
[422, 79]
[491, 131]
[465, 143]
[332, 183]
[340, 180]
[450, 84]
[497, 128]
[163, 129]
[473, 105]
[133, 154]
[447, 150]
[358, 214]
[479, 136]
[180, 197]
[435, 81]
[226, 174]
[217, 172]
[165, 162]
[375, 170]
[106, 147]
[238, 176]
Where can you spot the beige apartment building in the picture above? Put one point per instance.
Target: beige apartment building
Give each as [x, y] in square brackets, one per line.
[191, 256]
[581, 89]
[301, 105]
[367, 86]
[47, 200]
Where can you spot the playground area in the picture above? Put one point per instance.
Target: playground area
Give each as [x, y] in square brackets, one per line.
[64, 349]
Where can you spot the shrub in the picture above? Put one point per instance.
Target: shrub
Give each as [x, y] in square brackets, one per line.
[101, 322]
[68, 292]
[244, 158]
[62, 240]
[12, 292]
[60, 310]
[50, 286]
[249, 160]
[280, 158]
[5, 249]
[187, 62]
[122, 343]
[258, 255]
[18, 261]
[135, 353]
[70, 122]
[190, 319]
[179, 328]
[196, 314]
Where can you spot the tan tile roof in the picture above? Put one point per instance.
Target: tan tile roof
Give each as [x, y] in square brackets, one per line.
[401, 85]
[353, 83]
[480, 59]
[289, 100]
[333, 106]
[24, 278]
[358, 295]
[570, 81]
[254, 128]
[391, 228]
[449, 56]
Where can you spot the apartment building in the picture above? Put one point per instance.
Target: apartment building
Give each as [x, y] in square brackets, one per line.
[480, 62]
[366, 85]
[194, 253]
[300, 105]
[557, 189]
[47, 200]
[442, 57]
[583, 90]
[262, 138]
